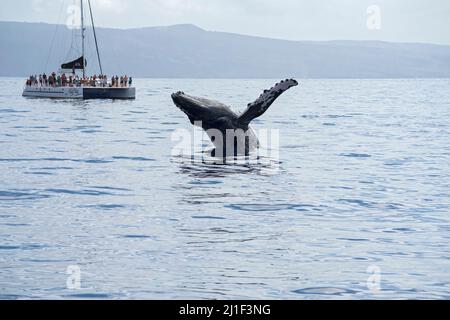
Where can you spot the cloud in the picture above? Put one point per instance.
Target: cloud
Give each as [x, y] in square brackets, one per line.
[402, 20]
[116, 6]
[41, 6]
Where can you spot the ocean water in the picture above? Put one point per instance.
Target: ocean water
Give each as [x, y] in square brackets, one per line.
[354, 205]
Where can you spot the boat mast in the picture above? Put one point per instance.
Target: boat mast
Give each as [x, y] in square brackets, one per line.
[95, 38]
[82, 37]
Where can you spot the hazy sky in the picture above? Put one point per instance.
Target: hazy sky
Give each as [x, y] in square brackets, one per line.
[390, 20]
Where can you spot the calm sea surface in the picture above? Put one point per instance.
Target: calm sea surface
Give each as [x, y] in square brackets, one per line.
[357, 205]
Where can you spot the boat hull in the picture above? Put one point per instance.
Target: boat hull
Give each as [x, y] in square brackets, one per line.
[109, 93]
[79, 92]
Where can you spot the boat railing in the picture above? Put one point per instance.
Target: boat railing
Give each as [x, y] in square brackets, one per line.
[77, 85]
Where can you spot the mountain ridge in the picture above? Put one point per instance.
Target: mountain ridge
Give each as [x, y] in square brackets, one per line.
[194, 26]
[188, 51]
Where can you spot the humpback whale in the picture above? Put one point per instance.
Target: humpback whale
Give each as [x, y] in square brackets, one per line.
[230, 132]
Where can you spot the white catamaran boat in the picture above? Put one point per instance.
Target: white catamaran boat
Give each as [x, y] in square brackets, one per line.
[74, 86]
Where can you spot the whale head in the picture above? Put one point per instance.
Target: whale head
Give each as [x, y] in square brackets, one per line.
[209, 112]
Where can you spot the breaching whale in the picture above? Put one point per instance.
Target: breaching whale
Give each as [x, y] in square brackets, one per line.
[230, 132]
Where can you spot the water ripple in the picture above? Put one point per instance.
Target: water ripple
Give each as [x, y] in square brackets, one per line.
[79, 192]
[260, 207]
[17, 196]
[355, 155]
[325, 291]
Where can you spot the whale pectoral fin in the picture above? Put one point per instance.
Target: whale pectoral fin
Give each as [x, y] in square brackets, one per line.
[191, 119]
[265, 100]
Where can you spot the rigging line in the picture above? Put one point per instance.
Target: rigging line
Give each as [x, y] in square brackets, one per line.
[54, 35]
[72, 47]
[83, 38]
[95, 38]
[74, 50]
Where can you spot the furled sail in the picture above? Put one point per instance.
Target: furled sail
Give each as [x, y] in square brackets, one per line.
[75, 64]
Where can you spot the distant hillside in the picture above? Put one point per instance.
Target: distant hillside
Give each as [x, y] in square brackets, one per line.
[187, 51]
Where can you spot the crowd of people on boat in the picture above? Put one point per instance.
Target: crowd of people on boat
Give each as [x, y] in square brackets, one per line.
[73, 80]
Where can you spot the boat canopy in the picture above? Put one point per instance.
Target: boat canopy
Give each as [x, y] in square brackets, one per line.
[75, 64]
